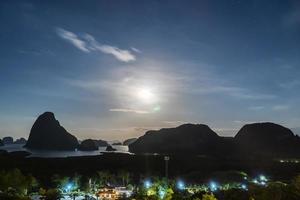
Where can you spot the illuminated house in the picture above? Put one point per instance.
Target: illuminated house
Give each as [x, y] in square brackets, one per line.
[123, 192]
[111, 193]
[107, 193]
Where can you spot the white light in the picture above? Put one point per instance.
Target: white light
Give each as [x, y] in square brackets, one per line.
[145, 95]
[262, 178]
[161, 193]
[244, 187]
[147, 184]
[180, 185]
[69, 187]
[213, 186]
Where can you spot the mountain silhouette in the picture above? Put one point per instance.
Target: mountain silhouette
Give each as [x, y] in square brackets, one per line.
[263, 139]
[47, 134]
[92, 145]
[88, 145]
[268, 139]
[8, 140]
[101, 143]
[20, 141]
[187, 138]
[110, 148]
[1, 143]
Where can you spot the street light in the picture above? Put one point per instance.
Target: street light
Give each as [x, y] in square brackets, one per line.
[68, 187]
[262, 178]
[213, 186]
[166, 158]
[244, 187]
[180, 185]
[147, 184]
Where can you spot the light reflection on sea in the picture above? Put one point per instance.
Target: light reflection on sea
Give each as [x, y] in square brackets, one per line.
[62, 154]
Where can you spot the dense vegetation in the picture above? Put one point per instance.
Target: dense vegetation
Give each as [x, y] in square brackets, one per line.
[14, 185]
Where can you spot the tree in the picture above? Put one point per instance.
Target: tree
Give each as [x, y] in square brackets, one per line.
[125, 176]
[53, 194]
[208, 197]
[104, 178]
[16, 183]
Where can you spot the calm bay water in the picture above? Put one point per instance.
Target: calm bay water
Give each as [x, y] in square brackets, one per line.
[62, 154]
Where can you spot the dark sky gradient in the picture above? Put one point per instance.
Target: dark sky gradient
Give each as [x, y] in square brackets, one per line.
[113, 69]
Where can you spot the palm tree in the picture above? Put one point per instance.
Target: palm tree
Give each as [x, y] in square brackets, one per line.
[103, 178]
[125, 176]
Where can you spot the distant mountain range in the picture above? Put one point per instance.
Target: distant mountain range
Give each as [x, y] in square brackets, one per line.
[92, 145]
[257, 139]
[9, 140]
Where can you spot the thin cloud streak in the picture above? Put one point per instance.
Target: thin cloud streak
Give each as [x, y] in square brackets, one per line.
[73, 39]
[256, 108]
[88, 43]
[128, 110]
[290, 84]
[280, 107]
[237, 92]
[120, 54]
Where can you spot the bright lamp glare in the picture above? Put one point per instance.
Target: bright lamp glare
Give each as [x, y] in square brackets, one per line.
[244, 187]
[213, 186]
[147, 184]
[262, 178]
[161, 193]
[69, 186]
[180, 185]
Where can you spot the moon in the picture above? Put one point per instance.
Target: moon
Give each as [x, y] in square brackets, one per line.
[146, 95]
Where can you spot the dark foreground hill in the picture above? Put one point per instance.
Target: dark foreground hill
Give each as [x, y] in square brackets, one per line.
[47, 134]
[268, 139]
[187, 138]
[258, 139]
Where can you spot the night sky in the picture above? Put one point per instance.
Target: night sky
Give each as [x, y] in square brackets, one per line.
[114, 69]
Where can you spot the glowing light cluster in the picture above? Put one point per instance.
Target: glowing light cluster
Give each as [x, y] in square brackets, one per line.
[213, 186]
[180, 185]
[147, 184]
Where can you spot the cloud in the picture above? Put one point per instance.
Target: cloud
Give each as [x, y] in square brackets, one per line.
[141, 129]
[237, 92]
[174, 123]
[129, 110]
[88, 43]
[244, 122]
[290, 84]
[256, 108]
[73, 39]
[253, 96]
[120, 54]
[136, 50]
[280, 107]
